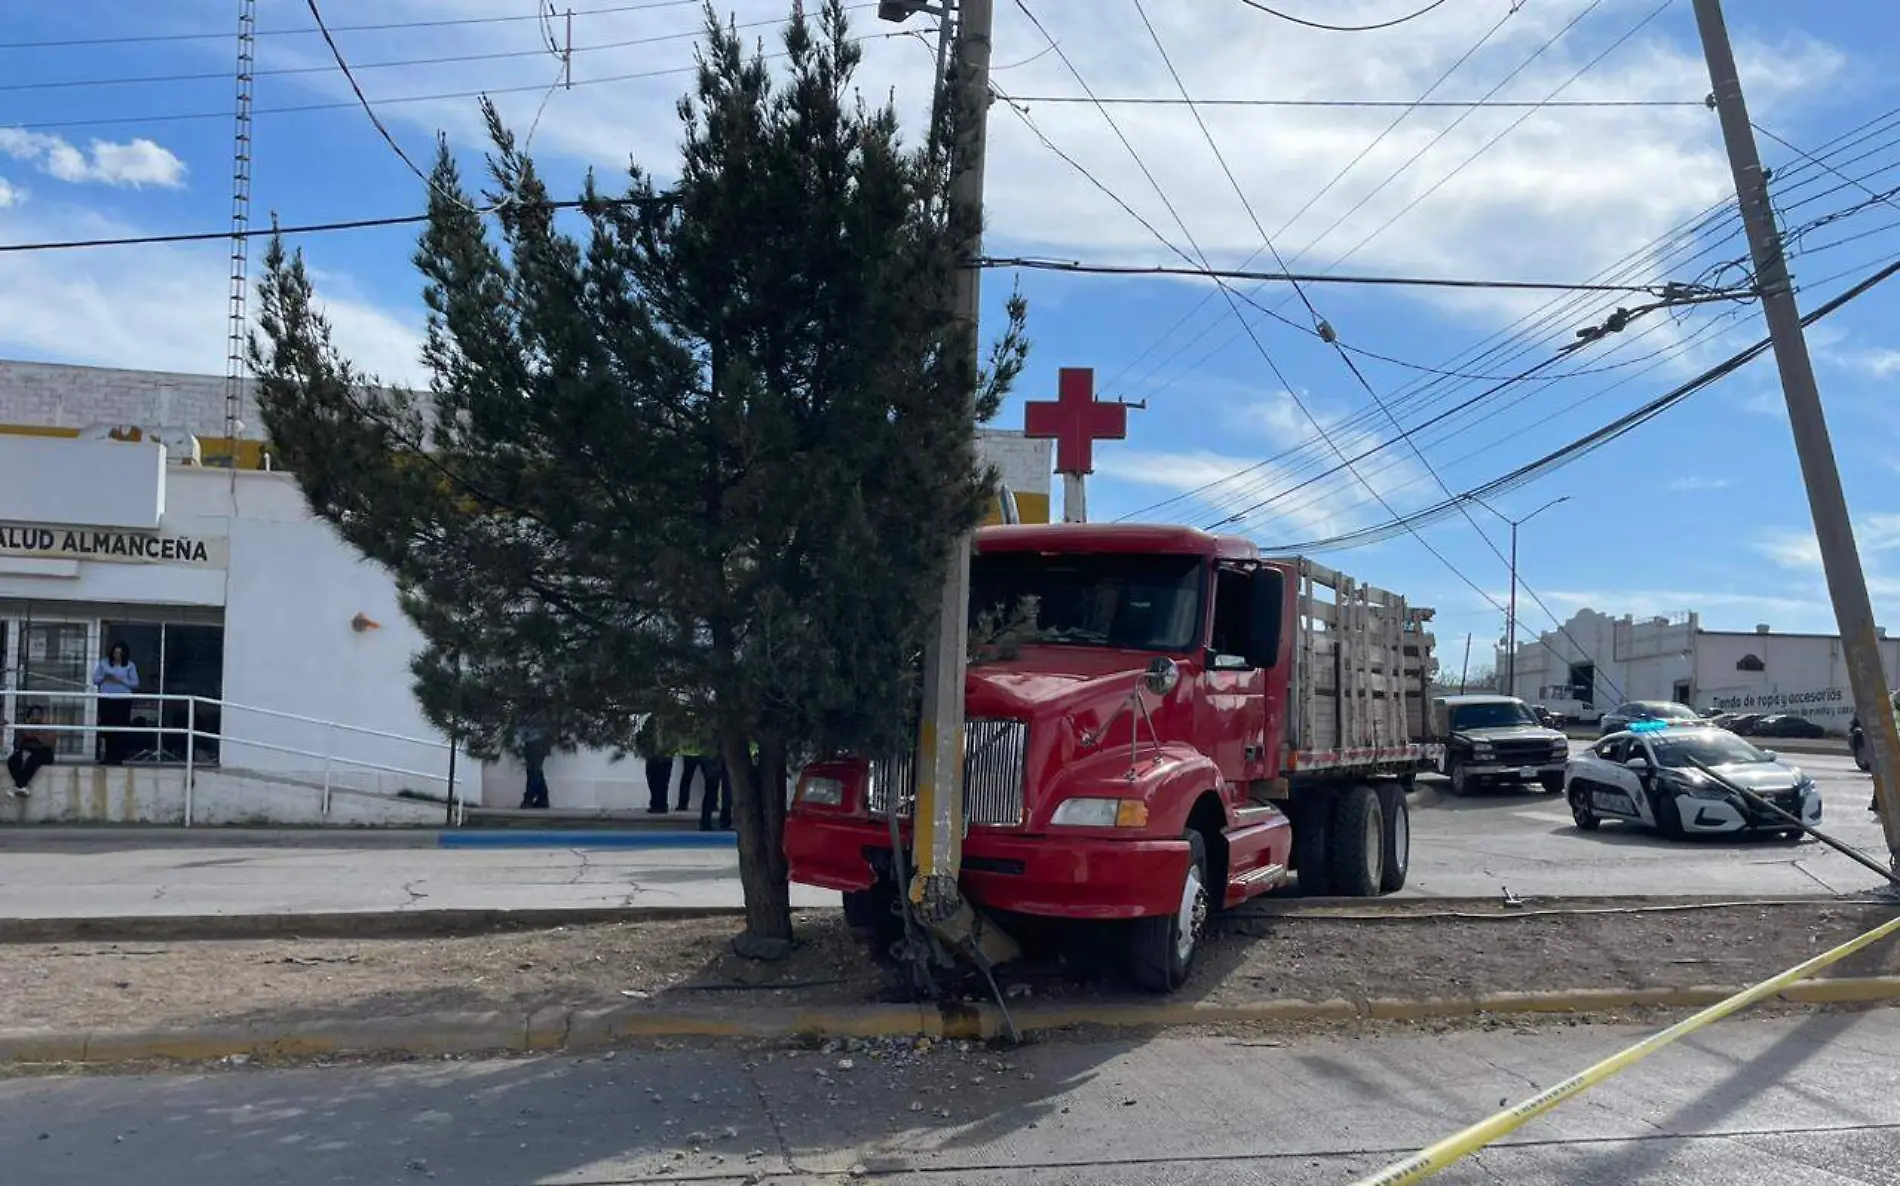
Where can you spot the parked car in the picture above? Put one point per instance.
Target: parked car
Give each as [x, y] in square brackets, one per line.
[1651, 776]
[1783, 724]
[1742, 724]
[1497, 739]
[1624, 715]
[1857, 741]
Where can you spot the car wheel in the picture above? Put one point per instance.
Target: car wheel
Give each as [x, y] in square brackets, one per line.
[1398, 836]
[1358, 844]
[1162, 948]
[1860, 760]
[1668, 816]
[1580, 810]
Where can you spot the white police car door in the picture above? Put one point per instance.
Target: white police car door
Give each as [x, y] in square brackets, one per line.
[1615, 789]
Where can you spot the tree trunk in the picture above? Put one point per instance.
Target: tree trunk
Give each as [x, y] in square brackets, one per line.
[758, 811]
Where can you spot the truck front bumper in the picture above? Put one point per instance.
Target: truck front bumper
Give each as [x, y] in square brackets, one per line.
[1500, 771]
[1055, 877]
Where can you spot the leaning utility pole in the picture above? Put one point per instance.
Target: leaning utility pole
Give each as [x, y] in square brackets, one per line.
[1833, 530]
[937, 817]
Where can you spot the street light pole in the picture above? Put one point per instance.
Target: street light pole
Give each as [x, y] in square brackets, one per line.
[1510, 615]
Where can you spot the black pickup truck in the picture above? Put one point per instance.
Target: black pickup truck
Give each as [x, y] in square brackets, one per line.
[1491, 740]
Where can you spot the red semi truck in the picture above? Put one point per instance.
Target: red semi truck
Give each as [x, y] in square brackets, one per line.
[1188, 724]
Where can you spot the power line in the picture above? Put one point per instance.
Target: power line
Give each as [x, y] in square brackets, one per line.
[1372, 104]
[1297, 278]
[1598, 438]
[360, 67]
[354, 224]
[399, 100]
[369, 110]
[151, 38]
[1285, 16]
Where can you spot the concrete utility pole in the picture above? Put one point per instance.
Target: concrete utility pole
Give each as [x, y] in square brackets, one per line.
[937, 818]
[1833, 529]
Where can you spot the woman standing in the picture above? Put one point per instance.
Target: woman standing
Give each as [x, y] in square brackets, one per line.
[116, 677]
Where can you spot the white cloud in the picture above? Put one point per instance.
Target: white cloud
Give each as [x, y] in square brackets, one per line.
[10, 194]
[1690, 484]
[1880, 363]
[155, 308]
[131, 165]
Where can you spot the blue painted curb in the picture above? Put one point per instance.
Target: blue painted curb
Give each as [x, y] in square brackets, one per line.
[586, 839]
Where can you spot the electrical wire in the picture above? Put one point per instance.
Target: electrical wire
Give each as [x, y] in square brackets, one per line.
[362, 67]
[368, 108]
[1592, 441]
[354, 224]
[1323, 27]
[222, 34]
[1366, 104]
[1299, 278]
[1331, 183]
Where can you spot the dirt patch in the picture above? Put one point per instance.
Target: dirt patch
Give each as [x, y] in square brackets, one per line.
[1417, 951]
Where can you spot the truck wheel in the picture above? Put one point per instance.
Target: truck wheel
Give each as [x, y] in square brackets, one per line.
[1553, 784]
[1358, 844]
[1163, 946]
[1398, 836]
[1312, 825]
[1460, 781]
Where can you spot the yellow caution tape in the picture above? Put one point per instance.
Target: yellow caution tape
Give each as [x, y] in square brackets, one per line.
[1432, 1159]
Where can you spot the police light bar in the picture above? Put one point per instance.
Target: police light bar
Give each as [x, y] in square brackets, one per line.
[1648, 726]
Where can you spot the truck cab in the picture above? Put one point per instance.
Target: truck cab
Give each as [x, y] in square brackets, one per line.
[1498, 741]
[1128, 756]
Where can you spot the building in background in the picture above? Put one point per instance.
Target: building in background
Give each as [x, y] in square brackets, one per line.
[1598, 662]
[225, 587]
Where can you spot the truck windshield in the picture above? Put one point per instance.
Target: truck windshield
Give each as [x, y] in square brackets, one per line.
[1132, 602]
[1495, 714]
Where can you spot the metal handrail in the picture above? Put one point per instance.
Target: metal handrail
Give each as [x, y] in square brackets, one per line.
[457, 805]
[278, 714]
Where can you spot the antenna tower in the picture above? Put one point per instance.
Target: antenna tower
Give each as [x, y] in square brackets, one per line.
[240, 235]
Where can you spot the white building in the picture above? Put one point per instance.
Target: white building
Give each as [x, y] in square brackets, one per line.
[1604, 661]
[226, 589]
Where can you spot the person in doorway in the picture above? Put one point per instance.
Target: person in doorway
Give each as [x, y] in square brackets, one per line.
[533, 743]
[116, 677]
[32, 749]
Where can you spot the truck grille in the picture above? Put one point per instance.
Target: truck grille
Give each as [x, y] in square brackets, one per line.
[995, 759]
[1525, 753]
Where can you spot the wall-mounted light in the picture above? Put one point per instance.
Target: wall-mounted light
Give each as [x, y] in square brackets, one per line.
[362, 622]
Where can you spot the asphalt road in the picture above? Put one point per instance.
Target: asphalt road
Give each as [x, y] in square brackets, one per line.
[1525, 841]
[1473, 847]
[1798, 1101]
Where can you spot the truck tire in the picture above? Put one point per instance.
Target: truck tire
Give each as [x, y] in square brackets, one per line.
[1460, 781]
[1162, 948]
[1398, 836]
[1312, 858]
[1358, 844]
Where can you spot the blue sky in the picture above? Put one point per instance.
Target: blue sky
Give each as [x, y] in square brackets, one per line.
[1701, 509]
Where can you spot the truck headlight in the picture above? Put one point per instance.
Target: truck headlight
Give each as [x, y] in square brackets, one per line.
[820, 791]
[1101, 813]
[1484, 751]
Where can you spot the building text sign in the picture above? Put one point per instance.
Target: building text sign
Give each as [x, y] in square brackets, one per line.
[112, 546]
[1814, 703]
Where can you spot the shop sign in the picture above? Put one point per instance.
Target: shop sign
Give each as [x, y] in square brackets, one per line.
[112, 546]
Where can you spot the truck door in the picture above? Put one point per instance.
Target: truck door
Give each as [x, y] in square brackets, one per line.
[1236, 697]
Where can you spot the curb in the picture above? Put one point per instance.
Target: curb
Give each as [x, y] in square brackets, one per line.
[584, 838]
[575, 1030]
[368, 924]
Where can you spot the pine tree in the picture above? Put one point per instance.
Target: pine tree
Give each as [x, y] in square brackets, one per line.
[697, 451]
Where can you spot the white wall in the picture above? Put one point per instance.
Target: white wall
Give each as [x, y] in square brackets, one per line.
[289, 646]
[156, 795]
[1802, 674]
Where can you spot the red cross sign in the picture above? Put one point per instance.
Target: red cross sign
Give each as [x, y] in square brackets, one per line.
[1075, 421]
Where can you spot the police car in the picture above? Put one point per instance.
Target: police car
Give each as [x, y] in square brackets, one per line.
[1680, 780]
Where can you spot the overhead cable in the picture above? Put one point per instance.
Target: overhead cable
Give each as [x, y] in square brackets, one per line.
[1327, 28]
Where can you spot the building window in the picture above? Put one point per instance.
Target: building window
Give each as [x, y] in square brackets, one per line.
[47, 652]
[1750, 663]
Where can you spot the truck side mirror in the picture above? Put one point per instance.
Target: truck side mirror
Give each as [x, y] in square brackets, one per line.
[1263, 620]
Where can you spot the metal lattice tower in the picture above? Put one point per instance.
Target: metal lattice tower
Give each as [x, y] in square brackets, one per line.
[240, 234]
